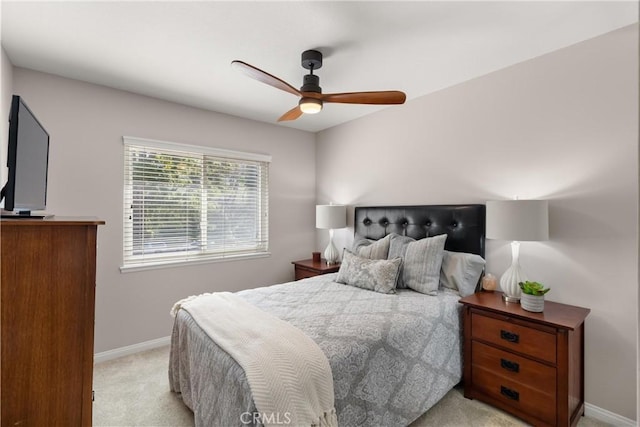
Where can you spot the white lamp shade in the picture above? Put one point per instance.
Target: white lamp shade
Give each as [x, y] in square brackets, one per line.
[331, 216]
[518, 220]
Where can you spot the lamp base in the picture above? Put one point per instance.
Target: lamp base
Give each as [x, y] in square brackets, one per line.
[509, 282]
[510, 299]
[331, 254]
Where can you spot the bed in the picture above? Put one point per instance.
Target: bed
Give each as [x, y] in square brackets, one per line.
[392, 356]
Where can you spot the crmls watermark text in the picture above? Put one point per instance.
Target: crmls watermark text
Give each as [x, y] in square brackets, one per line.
[274, 418]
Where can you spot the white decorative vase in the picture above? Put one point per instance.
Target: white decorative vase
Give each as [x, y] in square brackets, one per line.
[534, 303]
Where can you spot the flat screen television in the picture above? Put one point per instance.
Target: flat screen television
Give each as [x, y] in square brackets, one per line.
[28, 162]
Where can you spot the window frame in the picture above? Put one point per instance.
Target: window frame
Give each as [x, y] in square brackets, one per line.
[201, 256]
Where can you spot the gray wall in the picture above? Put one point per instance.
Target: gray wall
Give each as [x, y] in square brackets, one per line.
[86, 123]
[562, 127]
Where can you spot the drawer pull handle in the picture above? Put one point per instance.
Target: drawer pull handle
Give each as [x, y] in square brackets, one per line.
[510, 394]
[509, 336]
[509, 365]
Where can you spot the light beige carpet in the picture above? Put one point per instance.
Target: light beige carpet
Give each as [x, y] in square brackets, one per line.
[134, 391]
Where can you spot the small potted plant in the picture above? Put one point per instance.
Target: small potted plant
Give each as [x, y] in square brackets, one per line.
[532, 298]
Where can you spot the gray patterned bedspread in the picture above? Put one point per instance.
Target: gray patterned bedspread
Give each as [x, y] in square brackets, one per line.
[392, 356]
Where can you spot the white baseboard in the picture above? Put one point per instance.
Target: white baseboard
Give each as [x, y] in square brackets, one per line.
[130, 349]
[608, 416]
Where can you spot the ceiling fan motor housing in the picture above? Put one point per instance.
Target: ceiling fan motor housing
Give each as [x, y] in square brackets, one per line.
[311, 83]
[311, 60]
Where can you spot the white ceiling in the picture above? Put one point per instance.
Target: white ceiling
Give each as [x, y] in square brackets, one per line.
[181, 51]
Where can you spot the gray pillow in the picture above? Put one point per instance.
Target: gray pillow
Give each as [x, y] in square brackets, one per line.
[372, 249]
[421, 262]
[461, 271]
[378, 275]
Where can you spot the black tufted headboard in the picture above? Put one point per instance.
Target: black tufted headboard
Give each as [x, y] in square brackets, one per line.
[464, 224]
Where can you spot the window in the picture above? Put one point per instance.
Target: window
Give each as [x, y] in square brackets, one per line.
[185, 203]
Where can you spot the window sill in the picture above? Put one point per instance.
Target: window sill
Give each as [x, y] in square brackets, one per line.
[181, 263]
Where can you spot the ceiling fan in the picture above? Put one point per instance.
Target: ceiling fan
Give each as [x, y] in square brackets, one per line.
[311, 96]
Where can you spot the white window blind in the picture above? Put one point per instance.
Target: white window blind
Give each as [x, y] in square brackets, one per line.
[185, 203]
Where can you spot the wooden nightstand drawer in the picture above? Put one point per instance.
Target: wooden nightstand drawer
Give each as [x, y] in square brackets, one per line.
[511, 366]
[303, 273]
[507, 334]
[516, 394]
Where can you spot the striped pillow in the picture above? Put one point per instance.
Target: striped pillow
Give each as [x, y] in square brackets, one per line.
[421, 262]
[372, 249]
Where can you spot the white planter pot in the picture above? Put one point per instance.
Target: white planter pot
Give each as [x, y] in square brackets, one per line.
[532, 303]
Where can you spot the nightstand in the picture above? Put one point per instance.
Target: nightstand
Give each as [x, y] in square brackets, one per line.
[310, 268]
[528, 364]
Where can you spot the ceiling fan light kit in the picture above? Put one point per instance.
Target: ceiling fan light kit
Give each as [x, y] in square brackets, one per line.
[312, 98]
[310, 105]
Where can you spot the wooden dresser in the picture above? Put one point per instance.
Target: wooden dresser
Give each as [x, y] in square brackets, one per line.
[47, 297]
[528, 364]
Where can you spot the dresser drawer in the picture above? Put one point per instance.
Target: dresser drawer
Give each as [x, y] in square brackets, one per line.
[525, 340]
[516, 395]
[511, 366]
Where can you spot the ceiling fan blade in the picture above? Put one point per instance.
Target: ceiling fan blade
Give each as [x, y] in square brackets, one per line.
[264, 77]
[382, 97]
[292, 114]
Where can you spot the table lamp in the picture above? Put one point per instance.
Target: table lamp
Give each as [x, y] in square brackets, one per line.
[516, 220]
[331, 217]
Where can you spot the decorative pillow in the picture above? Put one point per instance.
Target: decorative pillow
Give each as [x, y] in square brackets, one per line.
[421, 262]
[378, 275]
[372, 249]
[461, 272]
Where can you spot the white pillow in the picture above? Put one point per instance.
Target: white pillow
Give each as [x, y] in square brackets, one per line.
[461, 272]
[421, 261]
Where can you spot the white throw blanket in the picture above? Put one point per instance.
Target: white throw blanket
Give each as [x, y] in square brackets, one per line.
[289, 375]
